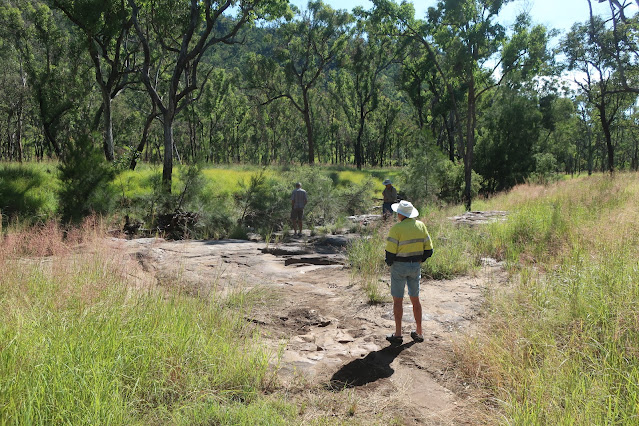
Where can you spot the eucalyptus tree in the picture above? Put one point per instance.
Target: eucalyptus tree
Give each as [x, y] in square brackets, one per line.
[14, 103]
[625, 133]
[624, 28]
[510, 129]
[588, 48]
[106, 26]
[175, 37]
[431, 102]
[51, 61]
[357, 87]
[586, 143]
[306, 48]
[388, 119]
[559, 130]
[467, 46]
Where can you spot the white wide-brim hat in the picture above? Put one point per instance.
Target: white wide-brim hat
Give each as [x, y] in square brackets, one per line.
[405, 208]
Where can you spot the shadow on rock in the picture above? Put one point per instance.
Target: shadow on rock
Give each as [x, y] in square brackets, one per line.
[374, 366]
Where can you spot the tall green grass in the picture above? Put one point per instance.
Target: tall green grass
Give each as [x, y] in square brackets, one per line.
[453, 249]
[456, 252]
[562, 346]
[366, 257]
[79, 344]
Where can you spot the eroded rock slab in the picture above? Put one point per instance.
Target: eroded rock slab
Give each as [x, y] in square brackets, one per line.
[331, 336]
[479, 218]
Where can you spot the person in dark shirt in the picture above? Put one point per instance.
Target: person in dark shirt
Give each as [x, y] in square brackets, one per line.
[390, 197]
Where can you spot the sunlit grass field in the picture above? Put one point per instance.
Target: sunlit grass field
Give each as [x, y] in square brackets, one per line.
[84, 339]
[29, 189]
[562, 346]
[229, 178]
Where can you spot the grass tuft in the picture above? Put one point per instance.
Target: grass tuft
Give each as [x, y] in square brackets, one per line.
[366, 256]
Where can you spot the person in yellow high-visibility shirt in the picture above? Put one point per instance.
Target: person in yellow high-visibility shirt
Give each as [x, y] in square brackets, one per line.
[407, 246]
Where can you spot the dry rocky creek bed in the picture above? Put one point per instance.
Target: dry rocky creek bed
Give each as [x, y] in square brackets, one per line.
[328, 342]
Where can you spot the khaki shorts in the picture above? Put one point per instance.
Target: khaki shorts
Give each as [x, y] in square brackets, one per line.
[405, 274]
[297, 214]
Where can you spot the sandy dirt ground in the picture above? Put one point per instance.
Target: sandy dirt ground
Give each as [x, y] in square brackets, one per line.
[329, 346]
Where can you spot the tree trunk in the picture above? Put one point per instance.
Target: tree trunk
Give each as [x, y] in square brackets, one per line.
[358, 142]
[49, 134]
[309, 129]
[108, 125]
[450, 128]
[19, 131]
[470, 144]
[143, 141]
[167, 171]
[20, 116]
[610, 149]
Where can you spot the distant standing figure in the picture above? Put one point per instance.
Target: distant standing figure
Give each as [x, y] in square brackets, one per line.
[390, 197]
[407, 246]
[298, 202]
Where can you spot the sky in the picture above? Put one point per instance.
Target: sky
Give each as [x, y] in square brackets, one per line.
[559, 14]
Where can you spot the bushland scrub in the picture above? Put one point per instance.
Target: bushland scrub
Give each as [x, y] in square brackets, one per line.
[563, 346]
[229, 200]
[79, 344]
[257, 199]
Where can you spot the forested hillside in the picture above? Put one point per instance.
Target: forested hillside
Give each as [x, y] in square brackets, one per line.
[260, 82]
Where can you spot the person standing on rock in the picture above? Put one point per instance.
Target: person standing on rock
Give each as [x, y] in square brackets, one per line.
[390, 197]
[298, 202]
[407, 246]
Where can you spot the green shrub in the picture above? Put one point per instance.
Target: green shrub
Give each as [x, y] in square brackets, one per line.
[452, 182]
[545, 169]
[263, 202]
[327, 201]
[421, 176]
[84, 176]
[217, 215]
[354, 199]
[431, 177]
[322, 206]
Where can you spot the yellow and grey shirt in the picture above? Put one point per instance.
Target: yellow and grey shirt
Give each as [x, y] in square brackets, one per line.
[408, 241]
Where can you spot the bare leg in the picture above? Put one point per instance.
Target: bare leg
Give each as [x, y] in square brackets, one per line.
[417, 313]
[398, 311]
